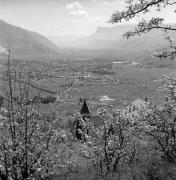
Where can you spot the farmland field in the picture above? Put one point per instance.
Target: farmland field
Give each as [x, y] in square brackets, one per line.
[93, 79]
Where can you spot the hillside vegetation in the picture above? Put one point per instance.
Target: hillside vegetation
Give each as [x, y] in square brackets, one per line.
[23, 42]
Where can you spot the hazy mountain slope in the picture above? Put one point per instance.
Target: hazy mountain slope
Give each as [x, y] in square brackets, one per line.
[111, 38]
[64, 41]
[21, 41]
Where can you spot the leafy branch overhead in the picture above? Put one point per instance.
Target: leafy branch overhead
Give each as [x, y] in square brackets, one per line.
[140, 7]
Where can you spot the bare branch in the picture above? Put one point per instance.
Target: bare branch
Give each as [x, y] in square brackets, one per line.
[144, 27]
[133, 10]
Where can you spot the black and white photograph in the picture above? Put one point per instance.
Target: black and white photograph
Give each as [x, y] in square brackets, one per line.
[87, 89]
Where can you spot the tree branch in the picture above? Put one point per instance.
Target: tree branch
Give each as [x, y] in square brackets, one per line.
[133, 10]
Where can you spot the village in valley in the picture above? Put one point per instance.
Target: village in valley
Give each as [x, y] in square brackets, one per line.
[66, 86]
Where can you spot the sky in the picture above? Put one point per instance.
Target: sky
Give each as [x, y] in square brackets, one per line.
[64, 17]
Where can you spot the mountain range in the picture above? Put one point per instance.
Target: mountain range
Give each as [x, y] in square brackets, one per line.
[110, 38]
[105, 40]
[24, 42]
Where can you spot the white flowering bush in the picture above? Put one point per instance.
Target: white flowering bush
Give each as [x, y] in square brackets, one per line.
[160, 123]
[111, 144]
[31, 144]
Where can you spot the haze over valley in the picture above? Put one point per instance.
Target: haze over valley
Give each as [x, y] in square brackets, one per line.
[96, 58]
[112, 38]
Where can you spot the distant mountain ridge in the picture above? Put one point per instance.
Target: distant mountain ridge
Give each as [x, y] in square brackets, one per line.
[21, 41]
[111, 38]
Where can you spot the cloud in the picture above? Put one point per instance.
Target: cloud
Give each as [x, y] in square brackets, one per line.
[74, 6]
[76, 9]
[81, 14]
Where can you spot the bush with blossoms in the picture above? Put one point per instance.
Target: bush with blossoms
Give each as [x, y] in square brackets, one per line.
[32, 144]
[110, 145]
[123, 140]
[160, 123]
